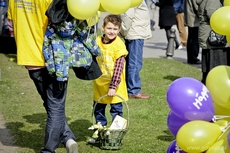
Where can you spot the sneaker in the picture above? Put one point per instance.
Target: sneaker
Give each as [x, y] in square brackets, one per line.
[93, 140]
[140, 96]
[181, 47]
[71, 146]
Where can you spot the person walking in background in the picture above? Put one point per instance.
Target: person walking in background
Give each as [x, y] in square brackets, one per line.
[112, 64]
[135, 29]
[152, 22]
[29, 25]
[212, 56]
[179, 10]
[167, 18]
[192, 22]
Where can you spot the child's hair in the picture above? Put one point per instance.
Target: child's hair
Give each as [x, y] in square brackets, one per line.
[114, 19]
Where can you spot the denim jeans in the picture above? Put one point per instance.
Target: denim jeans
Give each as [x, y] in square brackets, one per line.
[53, 94]
[134, 65]
[99, 112]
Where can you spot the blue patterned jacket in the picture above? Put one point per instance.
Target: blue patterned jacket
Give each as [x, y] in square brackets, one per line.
[66, 45]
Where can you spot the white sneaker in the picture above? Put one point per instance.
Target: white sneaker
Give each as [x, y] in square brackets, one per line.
[71, 146]
[181, 47]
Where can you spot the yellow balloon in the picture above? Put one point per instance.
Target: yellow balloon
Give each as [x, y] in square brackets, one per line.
[220, 20]
[226, 2]
[94, 20]
[228, 38]
[218, 83]
[135, 3]
[116, 6]
[222, 123]
[219, 110]
[83, 9]
[221, 145]
[197, 136]
[101, 9]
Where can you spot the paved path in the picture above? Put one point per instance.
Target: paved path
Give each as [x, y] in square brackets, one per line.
[153, 48]
[6, 141]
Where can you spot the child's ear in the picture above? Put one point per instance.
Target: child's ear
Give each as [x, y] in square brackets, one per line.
[103, 28]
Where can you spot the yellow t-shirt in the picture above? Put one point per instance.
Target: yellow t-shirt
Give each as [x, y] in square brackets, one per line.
[30, 23]
[106, 61]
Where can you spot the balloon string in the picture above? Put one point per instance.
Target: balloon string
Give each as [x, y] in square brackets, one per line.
[224, 129]
[218, 117]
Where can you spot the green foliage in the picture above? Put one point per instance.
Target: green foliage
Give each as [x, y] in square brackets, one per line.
[25, 116]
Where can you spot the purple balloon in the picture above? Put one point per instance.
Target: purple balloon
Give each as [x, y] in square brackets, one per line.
[174, 148]
[188, 98]
[174, 123]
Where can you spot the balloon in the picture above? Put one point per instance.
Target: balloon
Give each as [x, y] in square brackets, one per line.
[189, 99]
[101, 9]
[83, 9]
[116, 6]
[222, 122]
[226, 2]
[135, 3]
[174, 123]
[94, 20]
[220, 20]
[174, 148]
[228, 39]
[197, 136]
[221, 145]
[218, 83]
[221, 110]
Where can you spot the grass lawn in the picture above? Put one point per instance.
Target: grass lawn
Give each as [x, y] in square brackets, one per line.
[25, 116]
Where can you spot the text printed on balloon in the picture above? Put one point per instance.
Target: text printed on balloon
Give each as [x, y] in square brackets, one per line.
[201, 97]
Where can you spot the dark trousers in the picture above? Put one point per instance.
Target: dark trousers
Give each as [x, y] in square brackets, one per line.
[212, 58]
[53, 94]
[168, 33]
[192, 45]
[99, 112]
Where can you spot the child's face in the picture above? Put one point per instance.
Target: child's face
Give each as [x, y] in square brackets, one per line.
[110, 30]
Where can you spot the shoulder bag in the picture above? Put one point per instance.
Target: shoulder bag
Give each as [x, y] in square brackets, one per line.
[216, 39]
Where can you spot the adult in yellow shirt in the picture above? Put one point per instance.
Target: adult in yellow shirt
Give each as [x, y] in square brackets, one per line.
[112, 64]
[29, 25]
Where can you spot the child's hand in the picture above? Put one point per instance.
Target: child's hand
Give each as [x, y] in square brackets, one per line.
[111, 92]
